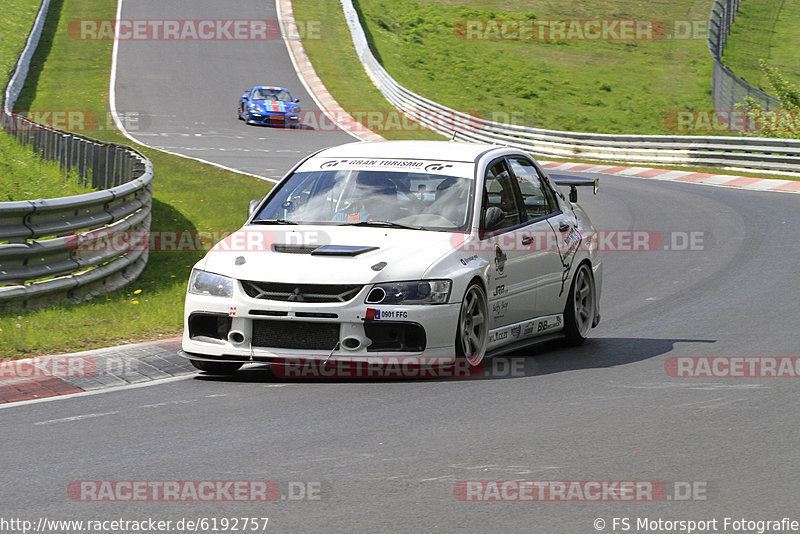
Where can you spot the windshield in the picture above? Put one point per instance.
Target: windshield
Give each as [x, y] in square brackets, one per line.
[418, 200]
[272, 94]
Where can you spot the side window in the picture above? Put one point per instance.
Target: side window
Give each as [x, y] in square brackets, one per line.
[500, 193]
[535, 195]
[551, 195]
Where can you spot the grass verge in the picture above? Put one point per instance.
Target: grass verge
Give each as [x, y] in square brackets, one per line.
[580, 85]
[765, 29]
[73, 75]
[337, 64]
[26, 176]
[23, 175]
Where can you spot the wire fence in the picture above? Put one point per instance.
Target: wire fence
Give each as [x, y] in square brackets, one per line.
[728, 89]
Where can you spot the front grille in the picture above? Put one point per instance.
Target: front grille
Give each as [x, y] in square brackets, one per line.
[300, 292]
[271, 313]
[295, 335]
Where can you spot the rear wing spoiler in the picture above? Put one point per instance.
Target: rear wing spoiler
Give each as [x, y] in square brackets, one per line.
[573, 182]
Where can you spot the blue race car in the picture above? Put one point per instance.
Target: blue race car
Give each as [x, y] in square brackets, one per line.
[268, 105]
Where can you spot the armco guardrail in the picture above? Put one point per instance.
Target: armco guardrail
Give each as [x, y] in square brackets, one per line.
[777, 156]
[728, 89]
[44, 255]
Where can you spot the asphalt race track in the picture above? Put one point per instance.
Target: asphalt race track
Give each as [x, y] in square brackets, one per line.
[182, 95]
[384, 456]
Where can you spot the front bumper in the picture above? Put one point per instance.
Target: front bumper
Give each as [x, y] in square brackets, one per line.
[244, 329]
[274, 119]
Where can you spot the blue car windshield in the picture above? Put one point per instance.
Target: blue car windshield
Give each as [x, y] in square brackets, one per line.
[271, 94]
[419, 200]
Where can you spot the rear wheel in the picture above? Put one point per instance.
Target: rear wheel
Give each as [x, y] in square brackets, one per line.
[473, 325]
[581, 306]
[216, 368]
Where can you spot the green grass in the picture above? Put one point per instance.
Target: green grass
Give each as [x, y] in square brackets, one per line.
[17, 18]
[26, 176]
[765, 29]
[335, 61]
[23, 175]
[337, 64]
[596, 86]
[188, 195]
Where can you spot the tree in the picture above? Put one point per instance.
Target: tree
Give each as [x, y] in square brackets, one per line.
[784, 122]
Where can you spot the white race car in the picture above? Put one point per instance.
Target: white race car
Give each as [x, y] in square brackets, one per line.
[398, 249]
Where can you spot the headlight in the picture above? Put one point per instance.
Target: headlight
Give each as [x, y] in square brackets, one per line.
[415, 292]
[215, 285]
[296, 109]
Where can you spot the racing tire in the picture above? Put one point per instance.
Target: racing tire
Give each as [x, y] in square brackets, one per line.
[581, 306]
[472, 330]
[216, 368]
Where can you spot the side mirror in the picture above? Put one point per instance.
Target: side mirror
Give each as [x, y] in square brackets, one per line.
[493, 218]
[296, 100]
[251, 207]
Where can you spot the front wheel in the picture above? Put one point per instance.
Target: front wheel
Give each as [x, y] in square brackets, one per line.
[216, 368]
[472, 334]
[581, 305]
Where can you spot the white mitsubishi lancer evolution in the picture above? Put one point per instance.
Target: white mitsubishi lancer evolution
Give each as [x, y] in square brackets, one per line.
[398, 249]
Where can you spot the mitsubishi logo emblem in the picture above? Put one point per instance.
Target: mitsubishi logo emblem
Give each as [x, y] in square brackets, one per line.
[296, 296]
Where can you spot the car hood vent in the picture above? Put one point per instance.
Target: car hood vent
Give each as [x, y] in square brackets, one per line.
[324, 250]
[341, 250]
[294, 249]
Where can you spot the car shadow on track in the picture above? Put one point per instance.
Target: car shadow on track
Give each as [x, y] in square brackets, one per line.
[286, 127]
[546, 358]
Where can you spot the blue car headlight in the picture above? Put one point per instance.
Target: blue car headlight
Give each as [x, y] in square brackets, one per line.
[412, 292]
[296, 109]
